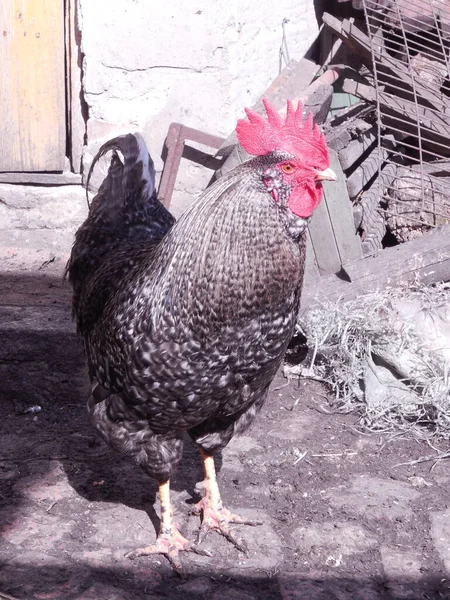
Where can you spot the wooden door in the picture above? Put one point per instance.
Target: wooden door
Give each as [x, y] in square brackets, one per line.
[32, 85]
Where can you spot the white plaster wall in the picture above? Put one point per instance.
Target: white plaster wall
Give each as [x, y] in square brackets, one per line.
[148, 63]
[40, 218]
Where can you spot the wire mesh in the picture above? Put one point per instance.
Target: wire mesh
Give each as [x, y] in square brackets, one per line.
[409, 45]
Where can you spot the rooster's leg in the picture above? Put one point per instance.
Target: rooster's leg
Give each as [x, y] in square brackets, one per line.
[215, 517]
[169, 541]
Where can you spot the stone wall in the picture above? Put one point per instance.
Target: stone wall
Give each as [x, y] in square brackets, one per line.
[146, 64]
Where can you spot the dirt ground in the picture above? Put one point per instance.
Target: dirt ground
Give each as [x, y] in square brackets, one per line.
[341, 518]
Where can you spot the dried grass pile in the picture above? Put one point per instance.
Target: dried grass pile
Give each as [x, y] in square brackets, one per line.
[386, 355]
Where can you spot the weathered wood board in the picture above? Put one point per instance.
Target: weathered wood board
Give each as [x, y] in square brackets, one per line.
[323, 242]
[76, 121]
[424, 260]
[403, 115]
[390, 70]
[332, 231]
[341, 214]
[32, 86]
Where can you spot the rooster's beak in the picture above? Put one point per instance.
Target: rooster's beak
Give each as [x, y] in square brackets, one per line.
[327, 175]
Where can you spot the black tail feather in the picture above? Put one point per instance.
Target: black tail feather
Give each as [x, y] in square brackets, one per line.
[124, 178]
[124, 213]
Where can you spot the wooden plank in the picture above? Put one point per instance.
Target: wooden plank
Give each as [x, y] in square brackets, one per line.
[76, 122]
[427, 256]
[327, 44]
[341, 214]
[356, 148]
[393, 104]
[32, 107]
[422, 261]
[323, 242]
[42, 178]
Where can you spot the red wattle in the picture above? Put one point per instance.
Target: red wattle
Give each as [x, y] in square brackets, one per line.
[303, 202]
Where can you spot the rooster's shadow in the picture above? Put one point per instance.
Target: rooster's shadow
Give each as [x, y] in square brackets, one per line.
[99, 474]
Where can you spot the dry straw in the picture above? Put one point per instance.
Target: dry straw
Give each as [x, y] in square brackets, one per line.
[386, 355]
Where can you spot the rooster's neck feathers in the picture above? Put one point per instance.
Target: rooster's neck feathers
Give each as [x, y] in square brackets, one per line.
[233, 243]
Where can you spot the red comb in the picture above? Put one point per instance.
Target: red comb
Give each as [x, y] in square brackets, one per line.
[260, 136]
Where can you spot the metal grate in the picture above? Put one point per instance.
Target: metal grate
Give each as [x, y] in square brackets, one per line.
[409, 44]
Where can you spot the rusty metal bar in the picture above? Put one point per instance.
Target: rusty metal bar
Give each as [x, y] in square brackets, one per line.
[173, 151]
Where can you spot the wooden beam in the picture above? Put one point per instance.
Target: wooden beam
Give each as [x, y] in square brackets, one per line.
[422, 261]
[427, 258]
[340, 212]
[76, 123]
[323, 242]
[311, 266]
[386, 64]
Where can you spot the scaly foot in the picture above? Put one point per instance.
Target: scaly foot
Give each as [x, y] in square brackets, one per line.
[217, 518]
[170, 543]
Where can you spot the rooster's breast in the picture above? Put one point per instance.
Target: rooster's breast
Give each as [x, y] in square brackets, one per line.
[187, 372]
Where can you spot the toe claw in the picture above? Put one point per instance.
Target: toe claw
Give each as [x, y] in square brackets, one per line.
[202, 533]
[142, 552]
[170, 544]
[237, 542]
[243, 521]
[219, 519]
[201, 551]
[175, 561]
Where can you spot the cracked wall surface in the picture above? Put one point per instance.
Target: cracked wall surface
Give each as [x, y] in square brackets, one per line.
[147, 64]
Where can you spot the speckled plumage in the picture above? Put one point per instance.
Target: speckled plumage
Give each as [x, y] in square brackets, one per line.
[184, 325]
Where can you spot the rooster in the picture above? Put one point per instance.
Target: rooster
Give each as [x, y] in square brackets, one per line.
[185, 324]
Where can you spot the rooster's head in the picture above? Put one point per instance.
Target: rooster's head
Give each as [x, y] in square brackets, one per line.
[297, 156]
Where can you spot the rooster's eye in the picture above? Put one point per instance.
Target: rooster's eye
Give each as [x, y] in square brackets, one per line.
[288, 168]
